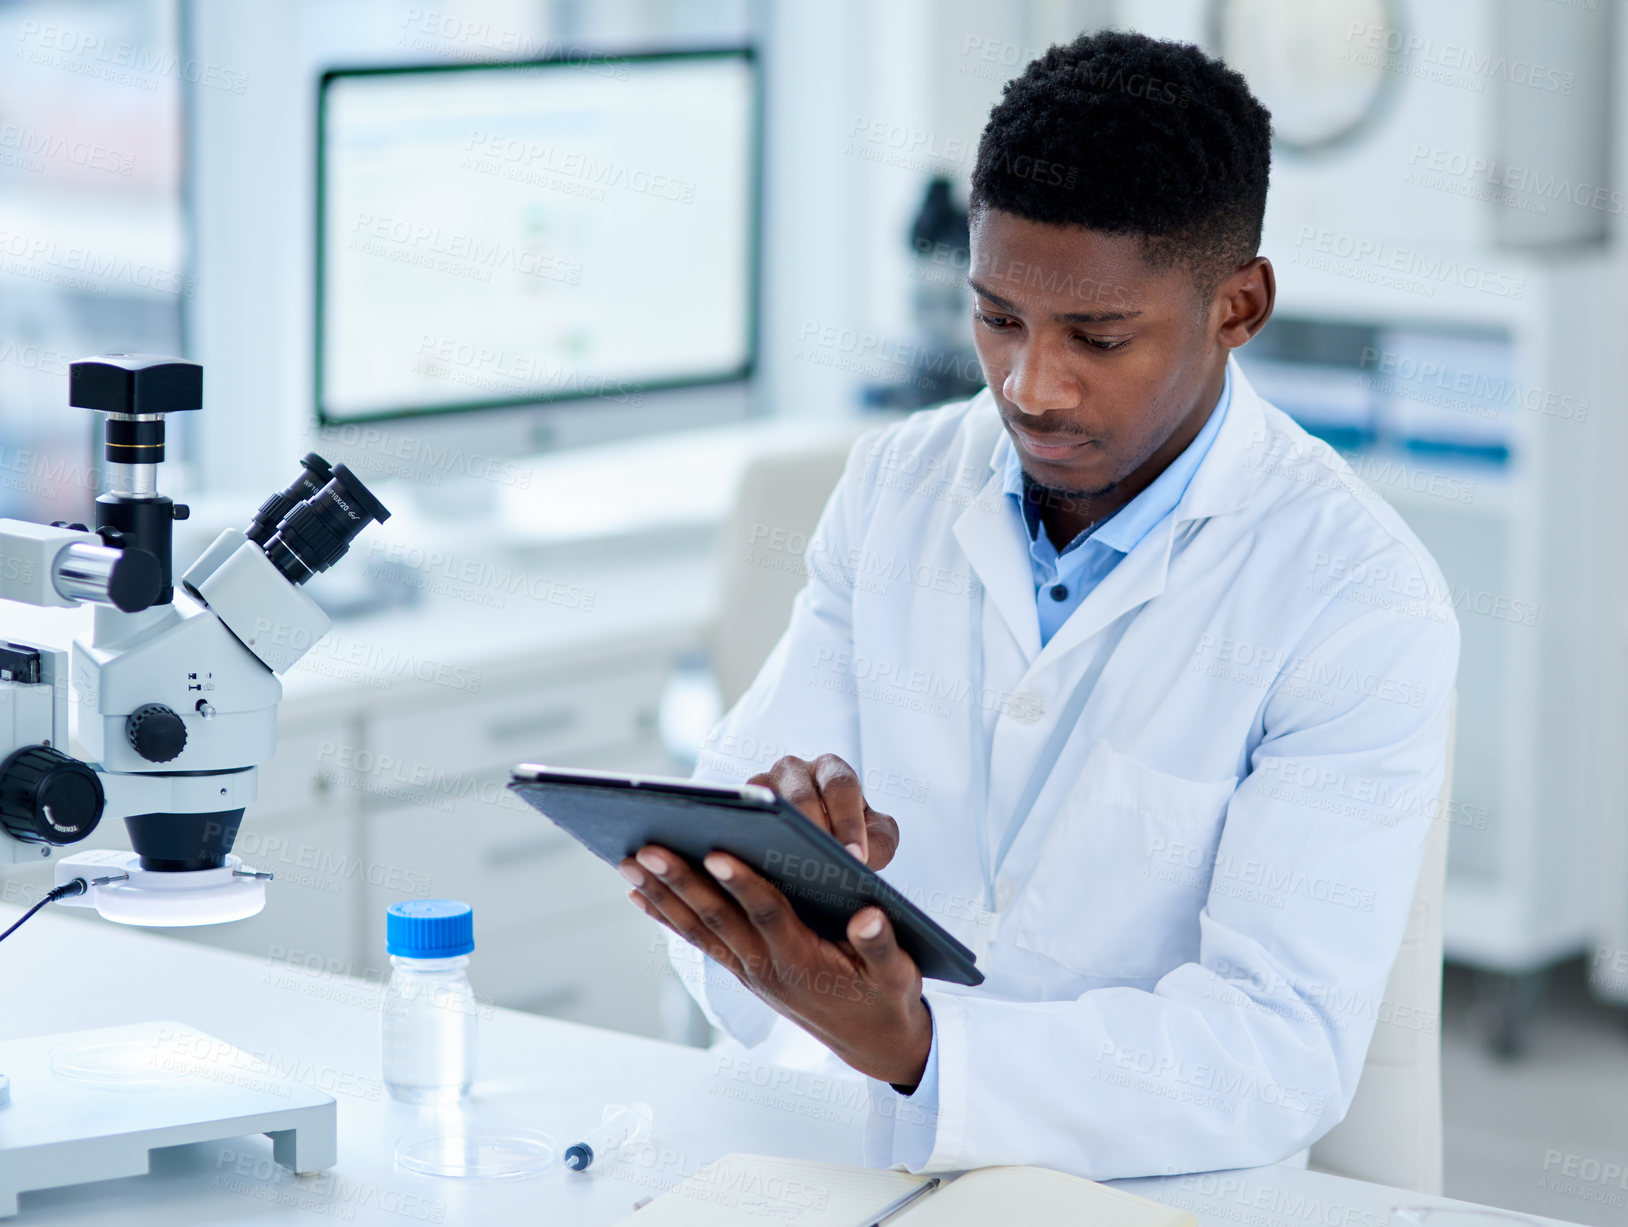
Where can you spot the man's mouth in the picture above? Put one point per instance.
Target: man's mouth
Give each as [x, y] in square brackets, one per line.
[1049, 446]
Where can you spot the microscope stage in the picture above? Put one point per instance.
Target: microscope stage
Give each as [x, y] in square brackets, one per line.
[90, 1105]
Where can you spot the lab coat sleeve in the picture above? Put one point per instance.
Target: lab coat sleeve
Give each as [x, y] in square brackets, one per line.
[787, 711]
[1249, 1054]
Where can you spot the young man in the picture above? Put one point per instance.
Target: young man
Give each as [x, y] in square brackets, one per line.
[1155, 691]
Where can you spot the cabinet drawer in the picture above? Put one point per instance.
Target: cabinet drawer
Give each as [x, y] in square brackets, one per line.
[606, 968]
[505, 859]
[551, 723]
[491, 849]
[310, 902]
[298, 780]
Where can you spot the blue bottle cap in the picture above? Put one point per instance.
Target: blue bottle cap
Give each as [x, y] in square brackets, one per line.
[429, 929]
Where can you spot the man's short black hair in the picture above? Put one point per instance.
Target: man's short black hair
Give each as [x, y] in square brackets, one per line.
[1128, 134]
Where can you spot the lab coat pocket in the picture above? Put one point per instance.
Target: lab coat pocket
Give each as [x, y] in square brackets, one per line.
[1124, 871]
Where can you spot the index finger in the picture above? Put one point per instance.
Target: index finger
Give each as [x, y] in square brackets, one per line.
[844, 803]
[793, 780]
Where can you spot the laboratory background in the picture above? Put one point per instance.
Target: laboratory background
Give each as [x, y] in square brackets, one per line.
[598, 324]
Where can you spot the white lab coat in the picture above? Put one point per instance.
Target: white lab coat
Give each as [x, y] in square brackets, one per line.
[1192, 932]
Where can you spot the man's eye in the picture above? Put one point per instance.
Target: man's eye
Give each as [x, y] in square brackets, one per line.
[996, 322]
[1104, 342]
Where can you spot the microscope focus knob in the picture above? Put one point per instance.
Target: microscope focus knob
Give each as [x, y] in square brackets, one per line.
[47, 797]
[156, 732]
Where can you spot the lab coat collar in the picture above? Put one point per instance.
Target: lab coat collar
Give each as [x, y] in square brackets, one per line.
[992, 534]
[1226, 479]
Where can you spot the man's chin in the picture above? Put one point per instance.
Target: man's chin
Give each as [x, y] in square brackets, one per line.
[1063, 482]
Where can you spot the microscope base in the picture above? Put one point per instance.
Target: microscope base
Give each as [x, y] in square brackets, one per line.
[91, 1105]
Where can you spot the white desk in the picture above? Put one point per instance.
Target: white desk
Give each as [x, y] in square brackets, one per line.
[62, 973]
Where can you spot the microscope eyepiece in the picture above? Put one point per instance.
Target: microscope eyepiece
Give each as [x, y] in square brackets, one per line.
[316, 533]
[314, 474]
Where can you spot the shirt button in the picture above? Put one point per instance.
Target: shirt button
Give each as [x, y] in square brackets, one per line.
[1003, 895]
[1059, 592]
[1025, 707]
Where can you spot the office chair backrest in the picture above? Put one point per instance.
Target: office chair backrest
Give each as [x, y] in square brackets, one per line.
[1393, 1132]
[762, 542]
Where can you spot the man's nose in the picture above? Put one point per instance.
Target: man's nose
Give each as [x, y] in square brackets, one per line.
[1039, 382]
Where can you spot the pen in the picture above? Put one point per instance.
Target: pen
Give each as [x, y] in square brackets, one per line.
[893, 1208]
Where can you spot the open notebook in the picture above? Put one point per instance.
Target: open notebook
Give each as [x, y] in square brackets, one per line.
[744, 1190]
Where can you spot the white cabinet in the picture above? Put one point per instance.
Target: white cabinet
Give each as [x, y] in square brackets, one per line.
[310, 904]
[604, 964]
[306, 833]
[382, 793]
[356, 814]
[552, 928]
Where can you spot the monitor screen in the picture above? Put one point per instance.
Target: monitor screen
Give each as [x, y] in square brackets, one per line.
[512, 234]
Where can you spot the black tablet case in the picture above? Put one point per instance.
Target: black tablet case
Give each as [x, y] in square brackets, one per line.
[823, 882]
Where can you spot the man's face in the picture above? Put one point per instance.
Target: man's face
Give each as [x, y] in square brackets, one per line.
[1093, 356]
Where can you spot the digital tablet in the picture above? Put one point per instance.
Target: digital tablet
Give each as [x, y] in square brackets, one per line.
[616, 815]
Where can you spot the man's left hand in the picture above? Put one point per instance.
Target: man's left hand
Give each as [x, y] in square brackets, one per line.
[861, 997]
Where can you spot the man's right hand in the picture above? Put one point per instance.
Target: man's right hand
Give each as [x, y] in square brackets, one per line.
[827, 793]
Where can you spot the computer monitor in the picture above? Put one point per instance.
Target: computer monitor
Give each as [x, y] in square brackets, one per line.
[514, 234]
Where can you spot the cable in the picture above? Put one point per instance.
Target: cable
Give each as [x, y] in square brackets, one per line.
[66, 891]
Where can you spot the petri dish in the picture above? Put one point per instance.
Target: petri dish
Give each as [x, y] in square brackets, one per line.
[139, 1060]
[471, 1153]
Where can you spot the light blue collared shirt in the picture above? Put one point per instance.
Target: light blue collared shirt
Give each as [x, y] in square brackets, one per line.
[1061, 581]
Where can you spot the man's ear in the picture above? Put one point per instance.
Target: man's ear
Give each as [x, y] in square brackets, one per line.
[1244, 302]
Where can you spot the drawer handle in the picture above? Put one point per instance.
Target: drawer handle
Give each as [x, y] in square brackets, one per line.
[530, 726]
[551, 1000]
[507, 856]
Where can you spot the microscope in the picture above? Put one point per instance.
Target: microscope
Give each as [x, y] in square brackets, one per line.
[175, 694]
[176, 688]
